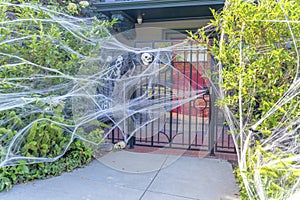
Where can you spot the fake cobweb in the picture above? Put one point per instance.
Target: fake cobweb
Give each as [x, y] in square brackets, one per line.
[115, 85]
[268, 148]
[65, 78]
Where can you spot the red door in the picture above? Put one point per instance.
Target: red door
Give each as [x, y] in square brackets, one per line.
[191, 76]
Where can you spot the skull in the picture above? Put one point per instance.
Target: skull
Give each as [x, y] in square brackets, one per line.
[120, 145]
[146, 58]
[119, 60]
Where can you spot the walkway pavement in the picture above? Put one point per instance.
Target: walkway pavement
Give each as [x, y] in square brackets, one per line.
[127, 175]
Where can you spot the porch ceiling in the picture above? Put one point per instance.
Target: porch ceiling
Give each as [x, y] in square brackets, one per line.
[161, 10]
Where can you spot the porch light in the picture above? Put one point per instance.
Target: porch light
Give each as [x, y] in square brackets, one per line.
[140, 19]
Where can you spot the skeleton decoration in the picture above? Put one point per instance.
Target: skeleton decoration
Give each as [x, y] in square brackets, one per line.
[123, 65]
[128, 62]
[120, 145]
[147, 58]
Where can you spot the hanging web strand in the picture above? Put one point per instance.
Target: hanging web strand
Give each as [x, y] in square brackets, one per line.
[88, 85]
[102, 84]
[268, 157]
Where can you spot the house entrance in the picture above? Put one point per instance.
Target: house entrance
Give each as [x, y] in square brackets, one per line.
[196, 124]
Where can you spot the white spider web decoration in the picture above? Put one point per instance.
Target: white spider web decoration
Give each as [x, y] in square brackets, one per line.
[104, 88]
[274, 162]
[114, 83]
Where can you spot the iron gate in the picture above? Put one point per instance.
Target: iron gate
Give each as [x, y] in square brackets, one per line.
[196, 125]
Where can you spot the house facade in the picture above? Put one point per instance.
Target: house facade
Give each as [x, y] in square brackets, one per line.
[175, 15]
[198, 124]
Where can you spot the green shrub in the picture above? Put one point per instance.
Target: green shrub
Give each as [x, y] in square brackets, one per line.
[255, 49]
[42, 132]
[78, 155]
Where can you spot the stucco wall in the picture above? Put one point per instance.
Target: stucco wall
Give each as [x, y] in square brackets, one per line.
[157, 30]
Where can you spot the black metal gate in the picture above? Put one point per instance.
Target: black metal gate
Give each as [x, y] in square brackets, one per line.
[195, 125]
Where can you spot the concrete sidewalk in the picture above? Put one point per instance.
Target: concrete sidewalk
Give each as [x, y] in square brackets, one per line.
[136, 176]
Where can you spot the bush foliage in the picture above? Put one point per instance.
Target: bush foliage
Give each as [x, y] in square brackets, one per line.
[43, 44]
[256, 46]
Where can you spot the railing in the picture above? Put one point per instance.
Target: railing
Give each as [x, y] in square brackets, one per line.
[196, 125]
